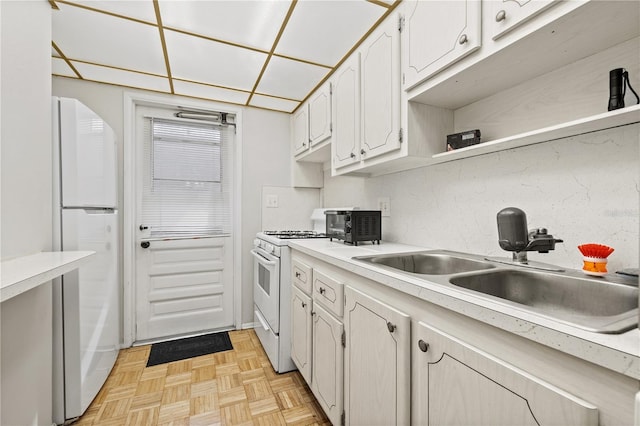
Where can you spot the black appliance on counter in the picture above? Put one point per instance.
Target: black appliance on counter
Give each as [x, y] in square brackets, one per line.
[354, 226]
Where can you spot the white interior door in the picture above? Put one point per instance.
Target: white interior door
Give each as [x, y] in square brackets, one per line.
[184, 244]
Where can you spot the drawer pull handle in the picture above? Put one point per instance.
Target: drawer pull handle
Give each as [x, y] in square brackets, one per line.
[501, 16]
[391, 327]
[424, 346]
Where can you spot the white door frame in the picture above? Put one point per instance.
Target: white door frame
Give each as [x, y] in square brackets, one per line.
[131, 100]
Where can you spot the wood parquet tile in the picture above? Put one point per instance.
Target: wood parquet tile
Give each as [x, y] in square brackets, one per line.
[237, 387]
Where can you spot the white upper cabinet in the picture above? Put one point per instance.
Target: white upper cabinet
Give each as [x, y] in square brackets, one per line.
[300, 130]
[436, 34]
[380, 91]
[346, 113]
[508, 14]
[320, 115]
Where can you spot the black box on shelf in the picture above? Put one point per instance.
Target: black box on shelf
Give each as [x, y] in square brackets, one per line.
[463, 139]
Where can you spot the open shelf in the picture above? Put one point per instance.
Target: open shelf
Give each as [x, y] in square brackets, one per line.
[607, 120]
[24, 273]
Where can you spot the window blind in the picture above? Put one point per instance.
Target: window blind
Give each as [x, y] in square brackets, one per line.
[187, 178]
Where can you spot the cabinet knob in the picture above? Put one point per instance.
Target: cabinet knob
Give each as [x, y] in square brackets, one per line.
[297, 274]
[391, 327]
[312, 313]
[424, 346]
[145, 244]
[304, 305]
[352, 155]
[463, 39]
[363, 152]
[143, 227]
[501, 16]
[321, 290]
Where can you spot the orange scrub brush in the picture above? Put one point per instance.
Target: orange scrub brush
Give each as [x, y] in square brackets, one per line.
[595, 258]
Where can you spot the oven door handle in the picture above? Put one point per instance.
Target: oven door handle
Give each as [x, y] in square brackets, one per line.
[262, 259]
[262, 321]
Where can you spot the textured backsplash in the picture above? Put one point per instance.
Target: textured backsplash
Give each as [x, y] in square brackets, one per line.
[583, 189]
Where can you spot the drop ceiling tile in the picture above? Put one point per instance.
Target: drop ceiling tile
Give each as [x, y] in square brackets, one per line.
[206, 61]
[121, 77]
[104, 39]
[60, 67]
[208, 92]
[290, 79]
[324, 31]
[137, 9]
[273, 103]
[249, 23]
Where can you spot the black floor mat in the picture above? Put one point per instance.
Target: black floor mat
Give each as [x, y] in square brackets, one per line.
[189, 347]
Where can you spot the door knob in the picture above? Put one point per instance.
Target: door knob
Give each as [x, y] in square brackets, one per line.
[145, 244]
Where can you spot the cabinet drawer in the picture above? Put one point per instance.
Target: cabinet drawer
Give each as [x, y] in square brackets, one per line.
[301, 276]
[328, 292]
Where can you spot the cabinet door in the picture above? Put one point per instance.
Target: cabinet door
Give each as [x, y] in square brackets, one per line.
[301, 326]
[456, 383]
[380, 91]
[509, 14]
[320, 115]
[376, 362]
[300, 130]
[328, 364]
[436, 34]
[345, 146]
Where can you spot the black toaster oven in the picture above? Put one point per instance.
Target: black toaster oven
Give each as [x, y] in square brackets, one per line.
[354, 226]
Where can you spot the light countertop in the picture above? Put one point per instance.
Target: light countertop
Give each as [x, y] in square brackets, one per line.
[618, 352]
[21, 274]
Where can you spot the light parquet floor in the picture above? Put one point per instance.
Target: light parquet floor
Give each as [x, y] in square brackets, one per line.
[237, 387]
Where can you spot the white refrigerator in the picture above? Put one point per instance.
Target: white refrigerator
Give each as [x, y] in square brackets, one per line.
[86, 307]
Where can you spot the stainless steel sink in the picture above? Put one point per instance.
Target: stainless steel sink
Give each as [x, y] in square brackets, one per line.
[591, 304]
[602, 305]
[427, 263]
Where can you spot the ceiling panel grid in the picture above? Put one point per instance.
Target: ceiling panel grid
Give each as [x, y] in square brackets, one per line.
[263, 53]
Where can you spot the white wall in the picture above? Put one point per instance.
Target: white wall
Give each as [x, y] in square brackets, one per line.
[265, 158]
[26, 211]
[583, 189]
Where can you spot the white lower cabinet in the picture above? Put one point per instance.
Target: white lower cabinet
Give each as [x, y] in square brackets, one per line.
[377, 367]
[455, 383]
[301, 325]
[327, 363]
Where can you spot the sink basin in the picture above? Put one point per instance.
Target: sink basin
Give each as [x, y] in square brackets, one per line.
[427, 262]
[591, 304]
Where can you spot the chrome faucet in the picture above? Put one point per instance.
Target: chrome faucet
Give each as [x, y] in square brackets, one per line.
[513, 235]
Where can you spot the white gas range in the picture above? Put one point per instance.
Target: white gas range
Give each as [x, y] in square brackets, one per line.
[272, 293]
